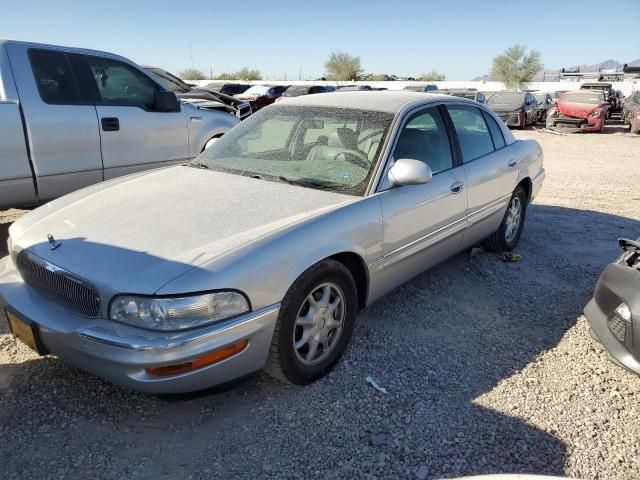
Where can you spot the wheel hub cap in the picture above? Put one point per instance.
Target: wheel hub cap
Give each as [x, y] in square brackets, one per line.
[319, 324]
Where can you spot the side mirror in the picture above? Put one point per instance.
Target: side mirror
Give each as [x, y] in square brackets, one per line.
[166, 101]
[407, 171]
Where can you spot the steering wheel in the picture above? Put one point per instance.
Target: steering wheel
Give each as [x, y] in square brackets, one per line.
[359, 159]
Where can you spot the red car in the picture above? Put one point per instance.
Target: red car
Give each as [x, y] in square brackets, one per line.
[582, 110]
[261, 95]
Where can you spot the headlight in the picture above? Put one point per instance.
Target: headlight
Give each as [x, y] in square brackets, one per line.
[624, 312]
[595, 114]
[177, 313]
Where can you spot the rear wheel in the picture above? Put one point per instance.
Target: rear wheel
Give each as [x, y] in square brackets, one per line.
[507, 236]
[314, 325]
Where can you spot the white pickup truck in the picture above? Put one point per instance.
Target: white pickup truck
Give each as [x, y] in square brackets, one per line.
[72, 117]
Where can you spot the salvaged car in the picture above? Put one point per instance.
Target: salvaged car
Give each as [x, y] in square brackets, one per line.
[429, 87]
[516, 109]
[260, 252]
[226, 88]
[260, 96]
[471, 94]
[609, 94]
[199, 96]
[583, 111]
[631, 112]
[297, 90]
[545, 103]
[614, 311]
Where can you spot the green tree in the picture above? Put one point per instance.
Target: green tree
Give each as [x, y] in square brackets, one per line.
[342, 66]
[432, 76]
[248, 74]
[226, 76]
[192, 74]
[515, 66]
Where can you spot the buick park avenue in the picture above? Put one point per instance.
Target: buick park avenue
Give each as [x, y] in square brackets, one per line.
[260, 252]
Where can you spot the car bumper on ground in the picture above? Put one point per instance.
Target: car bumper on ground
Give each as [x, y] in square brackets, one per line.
[514, 119]
[618, 284]
[121, 353]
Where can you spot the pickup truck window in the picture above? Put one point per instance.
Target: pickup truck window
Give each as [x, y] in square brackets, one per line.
[54, 77]
[121, 84]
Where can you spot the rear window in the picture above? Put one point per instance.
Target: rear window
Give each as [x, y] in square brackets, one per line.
[54, 77]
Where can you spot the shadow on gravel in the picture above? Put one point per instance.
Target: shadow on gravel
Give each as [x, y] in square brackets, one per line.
[436, 344]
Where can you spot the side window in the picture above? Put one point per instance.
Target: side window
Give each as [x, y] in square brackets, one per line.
[473, 133]
[54, 77]
[496, 131]
[122, 84]
[424, 137]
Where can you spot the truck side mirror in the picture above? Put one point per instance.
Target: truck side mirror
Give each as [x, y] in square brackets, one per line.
[166, 101]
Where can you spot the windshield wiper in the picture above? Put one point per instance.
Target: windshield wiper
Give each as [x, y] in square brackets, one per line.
[198, 165]
[306, 182]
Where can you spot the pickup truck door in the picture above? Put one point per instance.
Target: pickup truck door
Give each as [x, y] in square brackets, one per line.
[490, 167]
[134, 136]
[61, 126]
[422, 224]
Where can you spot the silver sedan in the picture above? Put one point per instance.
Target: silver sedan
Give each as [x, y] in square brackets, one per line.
[260, 252]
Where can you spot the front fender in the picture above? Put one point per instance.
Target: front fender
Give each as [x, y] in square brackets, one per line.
[204, 124]
[265, 269]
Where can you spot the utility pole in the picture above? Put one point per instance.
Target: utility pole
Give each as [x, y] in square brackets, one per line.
[191, 54]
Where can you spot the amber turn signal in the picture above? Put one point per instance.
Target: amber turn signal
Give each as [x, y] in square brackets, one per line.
[199, 362]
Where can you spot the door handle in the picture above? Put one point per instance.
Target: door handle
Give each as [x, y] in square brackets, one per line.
[110, 124]
[457, 187]
[512, 163]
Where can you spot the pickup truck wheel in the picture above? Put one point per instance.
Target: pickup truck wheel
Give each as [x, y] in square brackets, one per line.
[314, 325]
[507, 236]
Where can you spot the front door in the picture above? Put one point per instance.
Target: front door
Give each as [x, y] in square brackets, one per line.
[61, 121]
[422, 224]
[134, 136]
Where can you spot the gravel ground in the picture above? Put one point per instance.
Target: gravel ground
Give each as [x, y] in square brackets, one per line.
[489, 368]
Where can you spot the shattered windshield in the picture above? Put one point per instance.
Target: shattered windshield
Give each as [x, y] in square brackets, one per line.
[316, 147]
[513, 99]
[296, 91]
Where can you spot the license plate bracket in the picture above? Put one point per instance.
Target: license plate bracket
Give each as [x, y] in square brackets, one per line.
[25, 330]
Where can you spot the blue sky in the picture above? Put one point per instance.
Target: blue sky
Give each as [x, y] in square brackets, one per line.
[456, 37]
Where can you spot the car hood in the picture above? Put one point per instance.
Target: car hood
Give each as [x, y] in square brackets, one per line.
[137, 233]
[505, 108]
[249, 98]
[577, 110]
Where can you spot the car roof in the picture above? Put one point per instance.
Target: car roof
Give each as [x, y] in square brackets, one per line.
[82, 51]
[391, 101]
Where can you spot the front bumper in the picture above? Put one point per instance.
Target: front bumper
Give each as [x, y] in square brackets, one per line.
[618, 283]
[120, 353]
[589, 124]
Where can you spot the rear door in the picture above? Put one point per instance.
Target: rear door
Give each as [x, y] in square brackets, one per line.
[134, 136]
[490, 167]
[61, 123]
[423, 224]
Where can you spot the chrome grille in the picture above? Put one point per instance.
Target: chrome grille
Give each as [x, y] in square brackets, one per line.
[68, 290]
[617, 326]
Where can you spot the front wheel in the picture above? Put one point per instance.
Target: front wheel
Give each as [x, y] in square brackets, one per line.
[314, 325]
[507, 236]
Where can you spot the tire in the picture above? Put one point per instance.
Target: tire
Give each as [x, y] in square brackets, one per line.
[504, 239]
[298, 365]
[210, 142]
